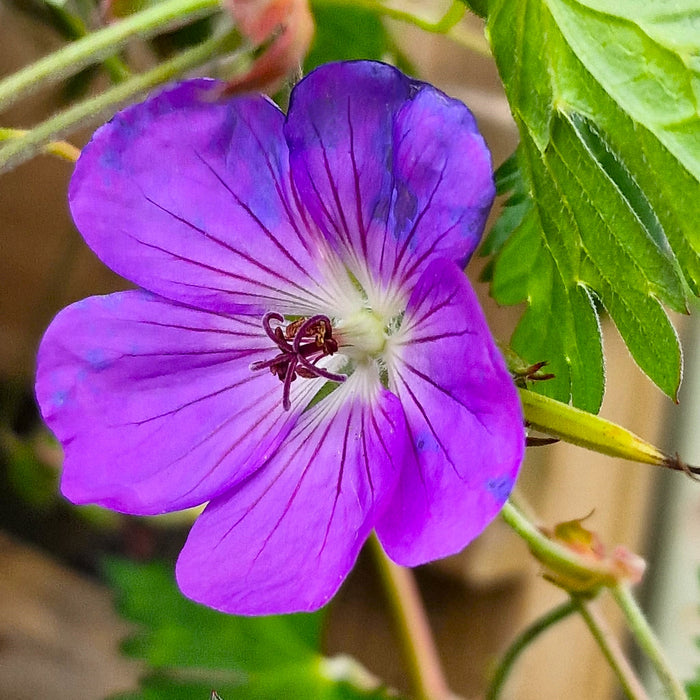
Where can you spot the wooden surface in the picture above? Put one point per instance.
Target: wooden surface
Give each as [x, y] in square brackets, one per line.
[59, 635]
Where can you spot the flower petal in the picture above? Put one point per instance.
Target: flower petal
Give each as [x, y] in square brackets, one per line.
[464, 420]
[443, 184]
[189, 197]
[285, 539]
[154, 403]
[391, 169]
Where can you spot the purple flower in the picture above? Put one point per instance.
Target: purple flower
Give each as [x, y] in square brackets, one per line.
[304, 353]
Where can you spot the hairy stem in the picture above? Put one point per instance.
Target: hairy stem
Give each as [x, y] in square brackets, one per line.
[103, 106]
[101, 44]
[416, 639]
[611, 649]
[115, 67]
[647, 641]
[521, 642]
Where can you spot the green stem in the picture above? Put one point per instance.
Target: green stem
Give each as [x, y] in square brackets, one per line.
[117, 70]
[614, 655]
[647, 641]
[419, 650]
[100, 45]
[115, 67]
[528, 635]
[442, 26]
[104, 105]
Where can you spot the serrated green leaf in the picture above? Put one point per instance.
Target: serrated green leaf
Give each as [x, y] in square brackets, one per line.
[192, 649]
[508, 180]
[605, 97]
[647, 59]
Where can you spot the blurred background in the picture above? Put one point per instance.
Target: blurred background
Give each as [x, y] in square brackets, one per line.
[59, 634]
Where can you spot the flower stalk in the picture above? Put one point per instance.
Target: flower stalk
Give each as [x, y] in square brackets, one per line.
[100, 45]
[593, 432]
[647, 641]
[611, 649]
[566, 565]
[521, 642]
[116, 69]
[448, 25]
[101, 107]
[412, 624]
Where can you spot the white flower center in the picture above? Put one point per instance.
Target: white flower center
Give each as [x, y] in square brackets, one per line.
[361, 336]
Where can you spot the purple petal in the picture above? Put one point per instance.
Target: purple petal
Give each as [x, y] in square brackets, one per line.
[444, 185]
[464, 420]
[391, 169]
[189, 197]
[285, 539]
[154, 403]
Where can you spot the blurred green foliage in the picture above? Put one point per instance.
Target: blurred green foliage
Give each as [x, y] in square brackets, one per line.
[191, 650]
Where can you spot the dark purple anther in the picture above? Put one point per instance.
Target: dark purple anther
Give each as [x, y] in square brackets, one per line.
[298, 358]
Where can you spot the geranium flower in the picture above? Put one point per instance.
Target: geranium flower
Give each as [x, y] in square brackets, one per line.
[304, 353]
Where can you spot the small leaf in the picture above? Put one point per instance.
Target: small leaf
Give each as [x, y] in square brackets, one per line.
[32, 480]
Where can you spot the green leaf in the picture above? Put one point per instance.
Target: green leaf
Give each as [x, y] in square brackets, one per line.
[191, 649]
[31, 479]
[508, 180]
[603, 206]
[478, 7]
[345, 32]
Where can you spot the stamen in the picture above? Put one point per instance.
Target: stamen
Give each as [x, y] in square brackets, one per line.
[269, 316]
[319, 327]
[298, 358]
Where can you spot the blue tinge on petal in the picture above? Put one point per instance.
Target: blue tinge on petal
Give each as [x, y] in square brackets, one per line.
[425, 441]
[500, 488]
